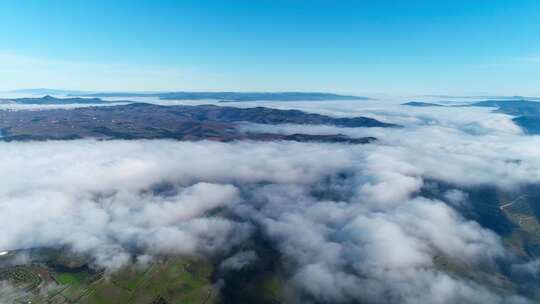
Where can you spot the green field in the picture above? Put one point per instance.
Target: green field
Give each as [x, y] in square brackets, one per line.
[526, 236]
[166, 280]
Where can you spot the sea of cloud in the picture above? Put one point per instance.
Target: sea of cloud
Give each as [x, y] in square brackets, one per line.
[349, 220]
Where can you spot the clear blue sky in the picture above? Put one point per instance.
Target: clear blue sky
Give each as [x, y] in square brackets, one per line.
[395, 47]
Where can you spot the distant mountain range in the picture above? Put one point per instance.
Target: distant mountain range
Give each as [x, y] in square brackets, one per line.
[148, 121]
[49, 100]
[497, 97]
[183, 95]
[236, 96]
[45, 91]
[527, 112]
[421, 104]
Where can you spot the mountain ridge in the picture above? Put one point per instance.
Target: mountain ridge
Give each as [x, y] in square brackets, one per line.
[150, 121]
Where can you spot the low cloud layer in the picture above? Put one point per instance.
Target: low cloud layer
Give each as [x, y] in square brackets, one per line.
[349, 221]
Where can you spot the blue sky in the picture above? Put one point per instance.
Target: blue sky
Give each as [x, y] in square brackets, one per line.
[393, 47]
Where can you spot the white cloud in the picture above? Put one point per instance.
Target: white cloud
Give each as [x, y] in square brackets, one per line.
[342, 216]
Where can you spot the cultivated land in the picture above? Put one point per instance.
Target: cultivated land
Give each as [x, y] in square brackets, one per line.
[60, 277]
[52, 277]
